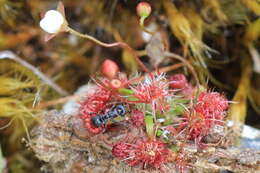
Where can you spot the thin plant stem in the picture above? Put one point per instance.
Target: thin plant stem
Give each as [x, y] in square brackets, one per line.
[115, 44]
[26, 130]
[8, 124]
[190, 67]
[141, 22]
[161, 70]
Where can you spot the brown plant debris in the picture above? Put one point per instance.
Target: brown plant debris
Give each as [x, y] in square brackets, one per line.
[65, 146]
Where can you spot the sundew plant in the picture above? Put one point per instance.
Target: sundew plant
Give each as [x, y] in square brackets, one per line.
[162, 115]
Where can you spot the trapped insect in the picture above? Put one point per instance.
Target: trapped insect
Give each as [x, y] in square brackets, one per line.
[117, 110]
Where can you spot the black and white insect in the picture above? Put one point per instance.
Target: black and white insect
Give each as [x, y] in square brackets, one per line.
[101, 119]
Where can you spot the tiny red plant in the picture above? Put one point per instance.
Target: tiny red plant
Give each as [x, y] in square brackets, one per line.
[212, 105]
[94, 103]
[149, 152]
[146, 152]
[181, 162]
[178, 81]
[153, 91]
[91, 128]
[208, 111]
[196, 126]
[121, 150]
[188, 91]
[137, 118]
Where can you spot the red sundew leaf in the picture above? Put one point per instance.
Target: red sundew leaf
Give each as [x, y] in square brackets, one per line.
[149, 152]
[178, 81]
[94, 103]
[212, 105]
[137, 118]
[121, 149]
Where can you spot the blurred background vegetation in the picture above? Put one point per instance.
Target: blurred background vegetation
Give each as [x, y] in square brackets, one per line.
[219, 37]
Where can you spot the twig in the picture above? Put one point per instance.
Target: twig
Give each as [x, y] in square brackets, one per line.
[10, 55]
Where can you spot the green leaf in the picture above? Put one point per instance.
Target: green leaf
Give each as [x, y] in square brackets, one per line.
[167, 122]
[149, 124]
[129, 93]
[177, 110]
[125, 91]
[183, 101]
[174, 148]
[159, 132]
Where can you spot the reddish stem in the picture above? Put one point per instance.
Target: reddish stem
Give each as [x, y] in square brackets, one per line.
[120, 44]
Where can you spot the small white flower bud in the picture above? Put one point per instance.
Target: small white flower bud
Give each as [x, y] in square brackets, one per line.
[52, 22]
